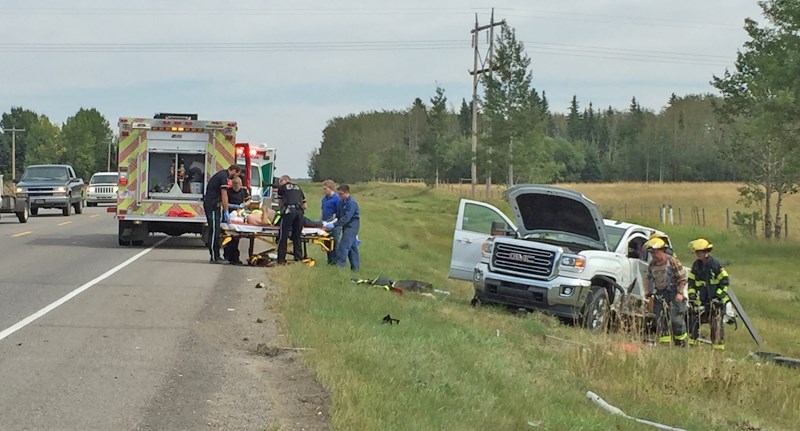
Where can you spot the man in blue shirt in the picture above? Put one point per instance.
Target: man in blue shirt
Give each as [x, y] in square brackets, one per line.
[348, 219]
[330, 202]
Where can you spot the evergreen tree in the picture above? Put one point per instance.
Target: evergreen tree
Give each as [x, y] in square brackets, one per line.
[512, 108]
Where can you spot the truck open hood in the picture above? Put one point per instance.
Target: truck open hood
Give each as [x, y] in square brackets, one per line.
[540, 209]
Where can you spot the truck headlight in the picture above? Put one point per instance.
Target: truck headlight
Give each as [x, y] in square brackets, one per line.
[573, 262]
[91, 189]
[21, 190]
[487, 248]
[61, 189]
[477, 274]
[115, 189]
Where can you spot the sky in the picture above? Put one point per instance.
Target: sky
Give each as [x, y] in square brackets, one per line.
[282, 70]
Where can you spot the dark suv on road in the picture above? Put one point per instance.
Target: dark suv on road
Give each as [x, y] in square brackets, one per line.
[51, 186]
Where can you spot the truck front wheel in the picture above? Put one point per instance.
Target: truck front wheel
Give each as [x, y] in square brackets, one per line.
[597, 314]
[65, 210]
[23, 216]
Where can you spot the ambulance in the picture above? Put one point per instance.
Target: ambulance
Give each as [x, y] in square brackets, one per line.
[165, 163]
[262, 167]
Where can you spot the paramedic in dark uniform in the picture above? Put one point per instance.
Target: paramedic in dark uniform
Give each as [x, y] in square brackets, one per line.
[238, 197]
[293, 204]
[215, 204]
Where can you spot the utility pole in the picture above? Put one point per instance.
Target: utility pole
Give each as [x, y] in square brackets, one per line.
[13, 149]
[109, 154]
[475, 72]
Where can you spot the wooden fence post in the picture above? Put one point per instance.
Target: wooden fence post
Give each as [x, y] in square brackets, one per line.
[704, 217]
[727, 218]
[680, 218]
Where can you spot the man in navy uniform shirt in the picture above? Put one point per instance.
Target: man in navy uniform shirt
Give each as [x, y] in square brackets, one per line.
[215, 204]
[238, 197]
[293, 205]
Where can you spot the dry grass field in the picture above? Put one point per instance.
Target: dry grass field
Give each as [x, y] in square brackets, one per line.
[642, 201]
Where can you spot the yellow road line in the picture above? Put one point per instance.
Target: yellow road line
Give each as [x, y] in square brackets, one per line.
[22, 234]
[94, 215]
[66, 222]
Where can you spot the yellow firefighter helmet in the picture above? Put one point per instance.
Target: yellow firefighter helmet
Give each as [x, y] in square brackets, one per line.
[655, 244]
[701, 244]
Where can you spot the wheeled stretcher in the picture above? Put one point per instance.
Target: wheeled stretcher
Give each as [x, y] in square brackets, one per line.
[269, 234]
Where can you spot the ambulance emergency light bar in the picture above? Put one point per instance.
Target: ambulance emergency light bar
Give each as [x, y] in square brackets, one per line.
[255, 153]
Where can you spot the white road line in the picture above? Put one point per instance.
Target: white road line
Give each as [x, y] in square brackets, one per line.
[28, 320]
[66, 222]
[16, 235]
[94, 215]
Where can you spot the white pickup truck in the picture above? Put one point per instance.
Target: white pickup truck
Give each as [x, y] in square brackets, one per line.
[560, 257]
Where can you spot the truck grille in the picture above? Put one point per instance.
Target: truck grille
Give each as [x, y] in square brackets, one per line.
[40, 191]
[523, 260]
[103, 189]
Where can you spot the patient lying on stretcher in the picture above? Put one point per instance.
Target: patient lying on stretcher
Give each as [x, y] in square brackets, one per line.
[261, 217]
[257, 217]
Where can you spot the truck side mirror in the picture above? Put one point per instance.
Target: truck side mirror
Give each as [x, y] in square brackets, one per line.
[499, 228]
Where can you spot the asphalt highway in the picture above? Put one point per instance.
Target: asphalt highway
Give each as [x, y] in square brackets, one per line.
[94, 336]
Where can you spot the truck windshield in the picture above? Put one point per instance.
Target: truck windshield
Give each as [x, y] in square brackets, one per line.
[45, 173]
[104, 179]
[614, 235]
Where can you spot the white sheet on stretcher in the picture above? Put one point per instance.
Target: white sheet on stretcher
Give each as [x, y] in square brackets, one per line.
[247, 228]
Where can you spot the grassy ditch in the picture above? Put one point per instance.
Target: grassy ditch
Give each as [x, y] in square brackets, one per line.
[447, 365]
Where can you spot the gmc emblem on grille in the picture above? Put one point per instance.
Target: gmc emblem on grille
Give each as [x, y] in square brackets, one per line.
[519, 257]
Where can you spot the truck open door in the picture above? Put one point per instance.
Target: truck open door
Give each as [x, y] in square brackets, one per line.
[473, 228]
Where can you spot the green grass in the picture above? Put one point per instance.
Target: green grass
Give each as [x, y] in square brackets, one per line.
[448, 366]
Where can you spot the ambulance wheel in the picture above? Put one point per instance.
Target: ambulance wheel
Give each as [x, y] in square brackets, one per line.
[204, 235]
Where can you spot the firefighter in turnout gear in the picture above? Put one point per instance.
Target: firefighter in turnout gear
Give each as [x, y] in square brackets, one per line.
[666, 280]
[708, 294]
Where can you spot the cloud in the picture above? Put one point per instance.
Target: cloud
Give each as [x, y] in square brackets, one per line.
[283, 70]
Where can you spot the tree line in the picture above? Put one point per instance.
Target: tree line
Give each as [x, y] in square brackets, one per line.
[81, 141]
[522, 140]
[748, 133]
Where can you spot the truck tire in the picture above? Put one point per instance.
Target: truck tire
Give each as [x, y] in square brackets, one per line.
[204, 235]
[34, 211]
[23, 215]
[122, 242]
[65, 211]
[597, 314]
[79, 207]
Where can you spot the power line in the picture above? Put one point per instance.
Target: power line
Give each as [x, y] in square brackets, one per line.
[532, 47]
[535, 13]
